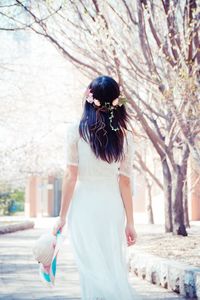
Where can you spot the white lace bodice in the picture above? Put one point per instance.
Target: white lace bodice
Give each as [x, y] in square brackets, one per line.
[79, 153]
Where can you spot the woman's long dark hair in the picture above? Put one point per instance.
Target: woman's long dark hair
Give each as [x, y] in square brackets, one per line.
[94, 126]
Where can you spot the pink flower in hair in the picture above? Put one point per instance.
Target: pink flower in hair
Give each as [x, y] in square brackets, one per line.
[90, 98]
[115, 102]
[97, 102]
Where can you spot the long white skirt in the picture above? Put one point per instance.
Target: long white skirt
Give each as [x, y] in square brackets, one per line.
[96, 223]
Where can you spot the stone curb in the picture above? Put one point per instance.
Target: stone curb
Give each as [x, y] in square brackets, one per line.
[15, 227]
[170, 274]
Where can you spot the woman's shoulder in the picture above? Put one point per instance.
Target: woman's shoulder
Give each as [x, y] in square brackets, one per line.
[128, 135]
[73, 130]
[73, 125]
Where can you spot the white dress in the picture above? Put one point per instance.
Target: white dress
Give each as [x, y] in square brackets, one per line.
[96, 221]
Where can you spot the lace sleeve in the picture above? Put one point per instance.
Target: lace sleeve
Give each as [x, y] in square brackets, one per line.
[72, 145]
[126, 165]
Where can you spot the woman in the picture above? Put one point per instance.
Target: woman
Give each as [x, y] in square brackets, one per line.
[97, 191]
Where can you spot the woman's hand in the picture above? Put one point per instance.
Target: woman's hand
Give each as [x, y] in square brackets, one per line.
[131, 234]
[59, 224]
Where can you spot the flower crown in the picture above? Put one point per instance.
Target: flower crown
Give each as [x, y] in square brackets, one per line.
[121, 100]
[116, 102]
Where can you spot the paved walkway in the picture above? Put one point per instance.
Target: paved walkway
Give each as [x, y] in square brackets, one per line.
[19, 272]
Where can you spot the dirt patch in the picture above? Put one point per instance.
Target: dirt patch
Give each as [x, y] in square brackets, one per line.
[182, 249]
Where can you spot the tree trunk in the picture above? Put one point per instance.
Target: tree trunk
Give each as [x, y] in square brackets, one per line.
[177, 202]
[167, 196]
[185, 204]
[149, 204]
[179, 177]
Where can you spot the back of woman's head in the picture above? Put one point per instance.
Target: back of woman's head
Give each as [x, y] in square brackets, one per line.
[104, 119]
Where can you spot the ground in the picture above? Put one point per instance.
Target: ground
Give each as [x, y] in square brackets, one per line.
[151, 239]
[19, 272]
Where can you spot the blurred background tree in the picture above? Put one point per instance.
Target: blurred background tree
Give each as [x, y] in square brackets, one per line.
[152, 48]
